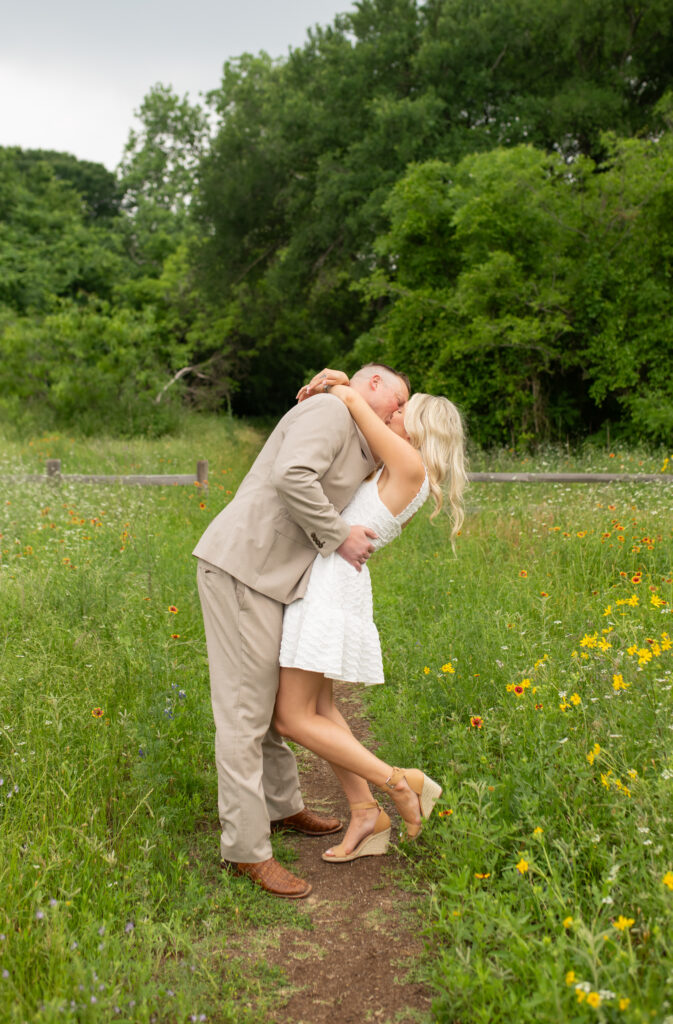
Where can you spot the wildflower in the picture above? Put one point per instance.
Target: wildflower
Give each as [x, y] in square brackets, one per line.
[426, 670]
[537, 831]
[575, 699]
[539, 707]
[175, 636]
[448, 668]
[39, 915]
[594, 1000]
[519, 690]
[522, 866]
[570, 978]
[668, 879]
[97, 712]
[172, 609]
[567, 921]
[476, 721]
[128, 927]
[446, 813]
[637, 578]
[202, 504]
[623, 923]
[523, 573]
[624, 1003]
[543, 593]
[605, 779]
[618, 683]
[581, 995]
[480, 874]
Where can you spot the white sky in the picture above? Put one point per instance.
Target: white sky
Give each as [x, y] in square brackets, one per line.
[73, 72]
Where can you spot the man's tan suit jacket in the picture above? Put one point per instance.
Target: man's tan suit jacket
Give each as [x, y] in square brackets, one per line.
[287, 508]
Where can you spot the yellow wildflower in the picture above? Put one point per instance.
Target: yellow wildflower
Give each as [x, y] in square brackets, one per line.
[618, 683]
[448, 668]
[623, 923]
[537, 831]
[594, 1000]
[522, 866]
[567, 921]
[570, 978]
[426, 670]
[624, 1003]
[668, 879]
[576, 699]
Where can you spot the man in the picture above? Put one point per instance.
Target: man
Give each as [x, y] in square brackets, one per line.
[254, 558]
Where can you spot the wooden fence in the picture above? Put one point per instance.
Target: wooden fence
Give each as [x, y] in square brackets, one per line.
[571, 478]
[53, 475]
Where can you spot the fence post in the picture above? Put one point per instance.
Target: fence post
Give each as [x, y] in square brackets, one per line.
[202, 474]
[53, 468]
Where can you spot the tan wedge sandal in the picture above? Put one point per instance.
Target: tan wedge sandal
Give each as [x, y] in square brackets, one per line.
[425, 788]
[375, 844]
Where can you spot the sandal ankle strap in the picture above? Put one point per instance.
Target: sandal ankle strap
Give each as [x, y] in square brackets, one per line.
[395, 776]
[363, 805]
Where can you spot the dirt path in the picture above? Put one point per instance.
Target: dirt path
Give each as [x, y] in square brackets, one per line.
[357, 964]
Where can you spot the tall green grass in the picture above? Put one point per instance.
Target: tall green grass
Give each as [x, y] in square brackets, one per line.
[533, 675]
[113, 904]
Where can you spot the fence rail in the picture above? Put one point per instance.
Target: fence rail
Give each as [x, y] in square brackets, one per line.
[571, 478]
[53, 475]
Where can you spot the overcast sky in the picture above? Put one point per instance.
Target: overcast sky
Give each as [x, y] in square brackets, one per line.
[72, 72]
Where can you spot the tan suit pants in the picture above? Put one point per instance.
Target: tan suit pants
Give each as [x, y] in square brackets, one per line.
[257, 779]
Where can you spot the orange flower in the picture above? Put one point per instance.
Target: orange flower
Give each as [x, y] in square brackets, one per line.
[97, 712]
[523, 573]
[477, 721]
[172, 609]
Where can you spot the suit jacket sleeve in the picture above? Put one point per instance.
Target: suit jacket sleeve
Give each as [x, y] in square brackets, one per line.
[308, 450]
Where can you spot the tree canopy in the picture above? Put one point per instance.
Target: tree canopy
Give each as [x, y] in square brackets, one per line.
[476, 190]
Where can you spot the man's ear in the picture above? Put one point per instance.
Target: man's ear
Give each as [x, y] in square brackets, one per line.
[374, 381]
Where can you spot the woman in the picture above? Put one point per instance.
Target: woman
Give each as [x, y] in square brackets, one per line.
[329, 634]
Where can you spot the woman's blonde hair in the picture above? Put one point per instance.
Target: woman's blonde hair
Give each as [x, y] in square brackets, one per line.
[435, 428]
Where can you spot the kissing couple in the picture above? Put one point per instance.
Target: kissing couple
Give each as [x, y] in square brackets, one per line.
[287, 607]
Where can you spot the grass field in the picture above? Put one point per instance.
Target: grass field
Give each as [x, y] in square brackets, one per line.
[532, 672]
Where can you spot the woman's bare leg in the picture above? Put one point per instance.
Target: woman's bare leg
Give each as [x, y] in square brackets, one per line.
[297, 717]
[356, 788]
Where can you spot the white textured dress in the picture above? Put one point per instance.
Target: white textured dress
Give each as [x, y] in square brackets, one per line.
[331, 629]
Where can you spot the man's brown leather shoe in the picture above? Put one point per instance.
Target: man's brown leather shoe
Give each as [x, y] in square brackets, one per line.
[308, 823]
[273, 878]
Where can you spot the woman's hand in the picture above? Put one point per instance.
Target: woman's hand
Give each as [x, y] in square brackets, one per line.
[321, 382]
